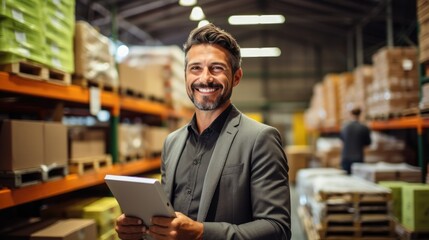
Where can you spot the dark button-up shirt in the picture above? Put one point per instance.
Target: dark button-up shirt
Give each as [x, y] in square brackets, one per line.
[193, 165]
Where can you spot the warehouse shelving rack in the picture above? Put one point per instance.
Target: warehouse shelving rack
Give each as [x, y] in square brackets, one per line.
[11, 83]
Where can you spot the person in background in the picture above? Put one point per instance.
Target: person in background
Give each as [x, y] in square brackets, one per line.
[225, 174]
[355, 136]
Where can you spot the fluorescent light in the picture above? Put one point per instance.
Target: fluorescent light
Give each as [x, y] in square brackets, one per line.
[202, 23]
[260, 52]
[197, 14]
[187, 3]
[255, 19]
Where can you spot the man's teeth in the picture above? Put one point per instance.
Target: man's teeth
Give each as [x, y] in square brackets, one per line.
[206, 90]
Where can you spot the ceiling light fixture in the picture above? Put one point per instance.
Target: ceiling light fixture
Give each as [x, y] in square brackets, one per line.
[260, 52]
[197, 14]
[255, 19]
[202, 23]
[187, 3]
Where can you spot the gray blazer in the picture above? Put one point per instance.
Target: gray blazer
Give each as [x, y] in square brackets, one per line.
[246, 190]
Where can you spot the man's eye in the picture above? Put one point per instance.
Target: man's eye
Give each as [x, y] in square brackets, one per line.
[194, 68]
[218, 68]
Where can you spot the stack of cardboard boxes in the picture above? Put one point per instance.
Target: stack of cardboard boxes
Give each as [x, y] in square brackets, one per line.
[93, 60]
[32, 152]
[395, 85]
[423, 19]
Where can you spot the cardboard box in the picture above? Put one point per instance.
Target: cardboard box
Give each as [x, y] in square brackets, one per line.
[87, 148]
[93, 60]
[154, 138]
[415, 207]
[21, 145]
[68, 229]
[298, 158]
[55, 143]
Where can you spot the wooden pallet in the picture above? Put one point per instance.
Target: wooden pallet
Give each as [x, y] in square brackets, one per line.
[53, 172]
[85, 83]
[356, 197]
[21, 178]
[131, 93]
[353, 225]
[86, 164]
[405, 234]
[129, 158]
[26, 69]
[307, 222]
[59, 77]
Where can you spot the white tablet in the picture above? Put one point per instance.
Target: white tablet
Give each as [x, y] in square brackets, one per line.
[140, 197]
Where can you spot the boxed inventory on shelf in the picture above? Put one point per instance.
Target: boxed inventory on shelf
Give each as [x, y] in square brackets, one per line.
[298, 158]
[17, 135]
[59, 24]
[55, 144]
[330, 85]
[155, 72]
[24, 43]
[86, 142]
[45, 156]
[93, 60]
[395, 85]
[26, 12]
[382, 171]
[130, 137]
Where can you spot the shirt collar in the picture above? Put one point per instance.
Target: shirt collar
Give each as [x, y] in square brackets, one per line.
[216, 125]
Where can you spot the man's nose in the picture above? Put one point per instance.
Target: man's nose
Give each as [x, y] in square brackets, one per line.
[206, 75]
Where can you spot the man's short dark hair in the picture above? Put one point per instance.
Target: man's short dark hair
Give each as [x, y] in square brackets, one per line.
[210, 34]
[356, 112]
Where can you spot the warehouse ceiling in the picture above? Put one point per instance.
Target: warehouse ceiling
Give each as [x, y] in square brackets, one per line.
[313, 28]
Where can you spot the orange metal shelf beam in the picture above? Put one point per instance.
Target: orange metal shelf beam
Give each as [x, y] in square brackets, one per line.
[141, 105]
[72, 182]
[401, 123]
[72, 93]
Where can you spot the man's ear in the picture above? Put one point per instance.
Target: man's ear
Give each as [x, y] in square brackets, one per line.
[237, 77]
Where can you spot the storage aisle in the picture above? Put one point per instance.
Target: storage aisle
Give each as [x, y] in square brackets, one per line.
[298, 231]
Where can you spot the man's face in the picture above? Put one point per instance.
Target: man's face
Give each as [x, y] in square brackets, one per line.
[209, 78]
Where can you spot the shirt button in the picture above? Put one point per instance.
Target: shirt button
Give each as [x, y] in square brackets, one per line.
[195, 162]
[189, 191]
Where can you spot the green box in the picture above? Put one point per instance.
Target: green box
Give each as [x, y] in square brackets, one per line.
[18, 54]
[415, 207]
[396, 189]
[67, 16]
[63, 62]
[10, 29]
[26, 12]
[104, 211]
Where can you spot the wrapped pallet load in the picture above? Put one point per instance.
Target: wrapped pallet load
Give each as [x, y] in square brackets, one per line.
[21, 31]
[93, 61]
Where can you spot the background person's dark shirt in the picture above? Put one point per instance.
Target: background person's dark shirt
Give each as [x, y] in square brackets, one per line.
[355, 137]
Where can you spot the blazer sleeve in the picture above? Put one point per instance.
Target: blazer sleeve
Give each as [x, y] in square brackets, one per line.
[269, 192]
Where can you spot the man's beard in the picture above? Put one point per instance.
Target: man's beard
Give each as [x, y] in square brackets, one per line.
[206, 104]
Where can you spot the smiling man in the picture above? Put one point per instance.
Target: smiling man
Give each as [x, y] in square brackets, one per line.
[226, 174]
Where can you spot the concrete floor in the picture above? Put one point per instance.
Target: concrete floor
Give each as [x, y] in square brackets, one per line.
[298, 231]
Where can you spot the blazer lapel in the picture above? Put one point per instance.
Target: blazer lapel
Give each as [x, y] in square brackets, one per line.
[217, 162]
[173, 159]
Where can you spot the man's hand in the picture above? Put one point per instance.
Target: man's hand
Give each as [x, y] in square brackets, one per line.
[129, 228]
[181, 228]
